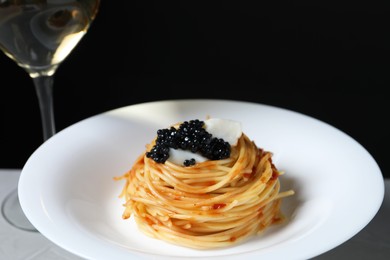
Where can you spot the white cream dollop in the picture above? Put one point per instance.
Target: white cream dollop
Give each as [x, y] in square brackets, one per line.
[228, 130]
[178, 156]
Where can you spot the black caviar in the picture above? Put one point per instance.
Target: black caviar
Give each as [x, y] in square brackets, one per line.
[189, 162]
[191, 135]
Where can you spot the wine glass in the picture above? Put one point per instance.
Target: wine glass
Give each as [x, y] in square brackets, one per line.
[38, 35]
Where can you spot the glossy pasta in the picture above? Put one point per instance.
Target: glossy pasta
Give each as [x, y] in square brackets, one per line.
[212, 204]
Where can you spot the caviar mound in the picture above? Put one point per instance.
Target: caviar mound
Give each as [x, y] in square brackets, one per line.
[192, 136]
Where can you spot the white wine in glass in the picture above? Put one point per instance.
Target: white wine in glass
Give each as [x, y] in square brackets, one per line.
[38, 35]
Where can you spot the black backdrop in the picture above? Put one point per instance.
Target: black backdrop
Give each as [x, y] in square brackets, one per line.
[328, 61]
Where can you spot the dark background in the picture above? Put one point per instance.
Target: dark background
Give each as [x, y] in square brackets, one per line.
[328, 61]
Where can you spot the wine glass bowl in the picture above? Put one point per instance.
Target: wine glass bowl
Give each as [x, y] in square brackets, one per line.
[38, 35]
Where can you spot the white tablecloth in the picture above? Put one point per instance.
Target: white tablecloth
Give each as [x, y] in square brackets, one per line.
[373, 242]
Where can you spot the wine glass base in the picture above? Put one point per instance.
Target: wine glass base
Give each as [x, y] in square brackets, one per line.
[14, 214]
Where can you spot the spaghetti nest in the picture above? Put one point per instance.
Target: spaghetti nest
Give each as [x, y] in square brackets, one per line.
[212, 204]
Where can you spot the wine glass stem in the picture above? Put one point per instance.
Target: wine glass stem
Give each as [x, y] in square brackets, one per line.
[44, 90]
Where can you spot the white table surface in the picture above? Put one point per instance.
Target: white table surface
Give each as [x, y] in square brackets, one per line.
[372, 243]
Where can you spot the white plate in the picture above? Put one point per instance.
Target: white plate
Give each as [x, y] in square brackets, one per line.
[67, 189]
